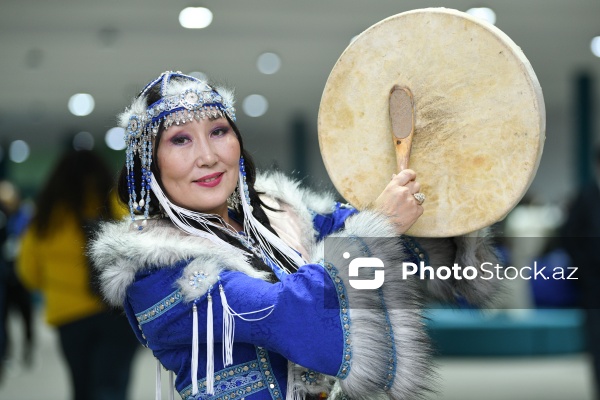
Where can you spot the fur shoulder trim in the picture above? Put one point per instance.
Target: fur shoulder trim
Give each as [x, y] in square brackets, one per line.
[296, 208]
[279, 186]
[119, 251]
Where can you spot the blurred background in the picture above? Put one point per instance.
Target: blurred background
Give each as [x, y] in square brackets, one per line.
[69, 67]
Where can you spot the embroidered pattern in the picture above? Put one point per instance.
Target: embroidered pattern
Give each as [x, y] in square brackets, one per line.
[159, 308]
[344, 318]
[240, 380]
[267, 371]
[231, 383]
[311, 377]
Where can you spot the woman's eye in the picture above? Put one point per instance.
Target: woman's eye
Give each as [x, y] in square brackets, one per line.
[219, 131]
[179, 140]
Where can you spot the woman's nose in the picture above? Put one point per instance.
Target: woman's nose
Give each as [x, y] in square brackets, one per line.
[206, 156]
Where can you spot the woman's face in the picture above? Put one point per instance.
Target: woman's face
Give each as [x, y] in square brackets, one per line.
[199, 164]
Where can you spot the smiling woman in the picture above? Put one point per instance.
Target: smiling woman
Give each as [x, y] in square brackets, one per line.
[209, 242]
[199, 164]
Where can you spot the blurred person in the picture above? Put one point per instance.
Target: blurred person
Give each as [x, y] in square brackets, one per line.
[96, 342]
[3, 284]
[15, 217]
[581, 232]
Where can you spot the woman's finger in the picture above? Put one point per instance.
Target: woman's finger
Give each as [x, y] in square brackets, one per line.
[413, 187]
[404, 177]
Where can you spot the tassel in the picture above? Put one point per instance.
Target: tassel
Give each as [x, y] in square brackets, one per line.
[194, 366]
[228, 329]
[158, 394]
[172, 386]
[210, 349]
[294, 390]
[292, 393]
[229, 325]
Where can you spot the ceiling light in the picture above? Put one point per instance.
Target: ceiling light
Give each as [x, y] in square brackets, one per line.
[485, 13]
[83, 141]
[18, 151]
[195, 17]
[115, 138]
[81, 104]
[595, 46]
[268, 63]
[255, 105]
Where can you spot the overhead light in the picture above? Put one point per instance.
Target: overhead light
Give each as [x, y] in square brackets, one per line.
[115, 138]
[18, 151]
[195, 17]
[81, 104]
[268, 63]
[485, 13]
[83, 141]
[255, 105]
[595, 46]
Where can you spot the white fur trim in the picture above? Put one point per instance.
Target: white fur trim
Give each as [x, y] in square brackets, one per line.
[370, 361]
[319, 383]
[295, 222]
[278, 185]
[120, 251]
[469, 250]
[138, 107]
[228, 96]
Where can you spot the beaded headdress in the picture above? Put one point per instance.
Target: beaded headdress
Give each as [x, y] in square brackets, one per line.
[181, 101]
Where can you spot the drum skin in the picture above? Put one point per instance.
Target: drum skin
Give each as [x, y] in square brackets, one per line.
[479, 118]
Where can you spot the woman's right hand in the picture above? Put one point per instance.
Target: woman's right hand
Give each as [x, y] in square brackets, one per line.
[397, 201]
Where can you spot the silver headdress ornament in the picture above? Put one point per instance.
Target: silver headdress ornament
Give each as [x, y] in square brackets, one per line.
[181, 101]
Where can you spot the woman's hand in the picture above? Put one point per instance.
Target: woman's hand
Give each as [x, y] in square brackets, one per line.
[397, 201]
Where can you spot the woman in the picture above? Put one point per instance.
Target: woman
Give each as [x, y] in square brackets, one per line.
[96, 342]
[225, 275]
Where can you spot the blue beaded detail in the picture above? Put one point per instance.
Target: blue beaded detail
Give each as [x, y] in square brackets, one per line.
[311, 378]
[268, 375]
[196, 279]
[415, 251]
[391, 370]
[243, 172]
[197, 101]
[159, 308]
[231, 383]
[344, 318]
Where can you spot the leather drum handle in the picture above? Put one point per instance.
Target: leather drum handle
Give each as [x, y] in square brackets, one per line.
[402, 117]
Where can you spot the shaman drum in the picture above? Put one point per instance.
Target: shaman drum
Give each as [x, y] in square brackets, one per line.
[478, 118]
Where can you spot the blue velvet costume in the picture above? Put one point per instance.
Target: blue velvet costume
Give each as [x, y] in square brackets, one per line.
[307, 331]
[274, 339]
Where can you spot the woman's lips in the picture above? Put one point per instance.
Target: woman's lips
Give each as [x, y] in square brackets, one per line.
[210, 180]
